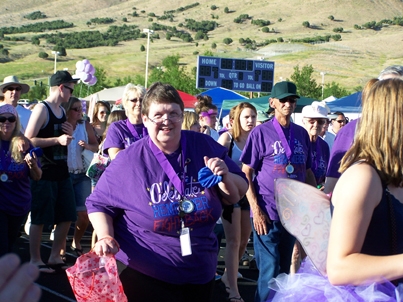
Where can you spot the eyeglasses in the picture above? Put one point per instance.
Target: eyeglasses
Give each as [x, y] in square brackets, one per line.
[341, 121]
[172, 117]
[319, 121]
[103, 112]
[135, 100]
[289, 100]
[11, 119]
[69, 88]
[77, 109]
[11, 88]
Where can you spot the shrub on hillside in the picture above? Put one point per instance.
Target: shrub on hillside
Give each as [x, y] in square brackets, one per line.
[43, 55]
[266, 29]
[226, 10]
[260, 22]
[336, 37]
[331, 18]
[213, 7]
[35, 15]
[338, 29]
[102, 20]
[306, 24]
[142, 48]
[227, 41]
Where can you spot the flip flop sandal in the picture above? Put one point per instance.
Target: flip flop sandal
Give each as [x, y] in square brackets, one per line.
[46, 269]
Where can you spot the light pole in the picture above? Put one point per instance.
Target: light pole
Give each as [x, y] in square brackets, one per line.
[322, 73]
[149, 32]
[56, 53]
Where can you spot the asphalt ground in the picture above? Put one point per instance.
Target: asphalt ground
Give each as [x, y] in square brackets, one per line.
[56, 287]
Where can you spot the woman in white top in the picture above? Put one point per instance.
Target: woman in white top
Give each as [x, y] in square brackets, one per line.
[237, 226]
[83, 138]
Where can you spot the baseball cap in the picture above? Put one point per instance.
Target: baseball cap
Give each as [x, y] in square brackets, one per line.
[61, 77]
[315, 110]
[284, 89]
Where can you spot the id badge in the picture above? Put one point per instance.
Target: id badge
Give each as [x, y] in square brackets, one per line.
[186, 246]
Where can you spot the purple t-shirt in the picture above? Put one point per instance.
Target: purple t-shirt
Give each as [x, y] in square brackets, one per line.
[120, 136]
[143, 202]
[15, 193]
[320, 159]
[265, 154]
[342, 143]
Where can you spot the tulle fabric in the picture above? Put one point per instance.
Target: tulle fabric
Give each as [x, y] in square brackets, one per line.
[309, 285]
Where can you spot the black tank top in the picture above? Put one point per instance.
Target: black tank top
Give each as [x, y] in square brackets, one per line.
[54, 159]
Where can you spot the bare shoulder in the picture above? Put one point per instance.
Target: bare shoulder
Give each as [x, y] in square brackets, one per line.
[359, 183]
[225, 139]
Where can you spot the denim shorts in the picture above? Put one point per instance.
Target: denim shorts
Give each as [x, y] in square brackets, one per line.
[82, 189]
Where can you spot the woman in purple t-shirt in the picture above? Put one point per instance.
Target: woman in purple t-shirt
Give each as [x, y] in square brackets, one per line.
[122, 134]
[150, 202]
[15, 170]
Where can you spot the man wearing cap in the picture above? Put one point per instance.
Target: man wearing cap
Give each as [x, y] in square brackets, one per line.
[10, 92]
[314, 117]
[52, 197]
[275, 149]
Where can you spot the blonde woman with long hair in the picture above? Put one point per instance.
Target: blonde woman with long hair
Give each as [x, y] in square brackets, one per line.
[236, 219]
[15, 171]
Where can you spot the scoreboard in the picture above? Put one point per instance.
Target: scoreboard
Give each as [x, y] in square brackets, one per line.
[235, 74]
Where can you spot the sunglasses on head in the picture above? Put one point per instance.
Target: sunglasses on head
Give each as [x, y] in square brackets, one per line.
[135, 100]
[289, 100]
[11, 119]
[11, 88]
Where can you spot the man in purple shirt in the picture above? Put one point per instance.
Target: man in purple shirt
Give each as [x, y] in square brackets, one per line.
[275, 149]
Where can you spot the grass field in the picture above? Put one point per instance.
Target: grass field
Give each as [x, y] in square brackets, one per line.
[360, 55]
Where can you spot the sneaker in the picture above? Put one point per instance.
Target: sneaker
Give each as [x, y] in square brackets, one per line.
[245, 259]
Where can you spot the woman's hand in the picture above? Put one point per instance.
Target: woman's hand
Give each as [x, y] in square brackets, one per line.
[32, 162]
[82, 144]
[106, 246]
[216, 165]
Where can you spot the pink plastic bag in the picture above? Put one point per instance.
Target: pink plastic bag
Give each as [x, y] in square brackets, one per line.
[92, 281]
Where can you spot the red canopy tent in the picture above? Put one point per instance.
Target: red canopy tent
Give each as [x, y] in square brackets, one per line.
[188, 99]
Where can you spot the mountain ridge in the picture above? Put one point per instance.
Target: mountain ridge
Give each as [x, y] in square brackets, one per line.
[360, 54]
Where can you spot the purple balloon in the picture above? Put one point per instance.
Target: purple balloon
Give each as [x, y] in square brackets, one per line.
[92, 70]
[85, 62]
[88, 67]
[85, 77]
[93, 81]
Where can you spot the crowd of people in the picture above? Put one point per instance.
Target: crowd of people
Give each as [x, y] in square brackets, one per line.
[187, 183]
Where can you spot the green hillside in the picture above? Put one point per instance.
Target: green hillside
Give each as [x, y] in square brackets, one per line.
[358, 56]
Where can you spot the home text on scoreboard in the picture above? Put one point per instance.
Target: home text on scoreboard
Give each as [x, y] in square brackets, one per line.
[235, 74]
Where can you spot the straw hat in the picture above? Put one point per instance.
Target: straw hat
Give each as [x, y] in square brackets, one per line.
[13, 80]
